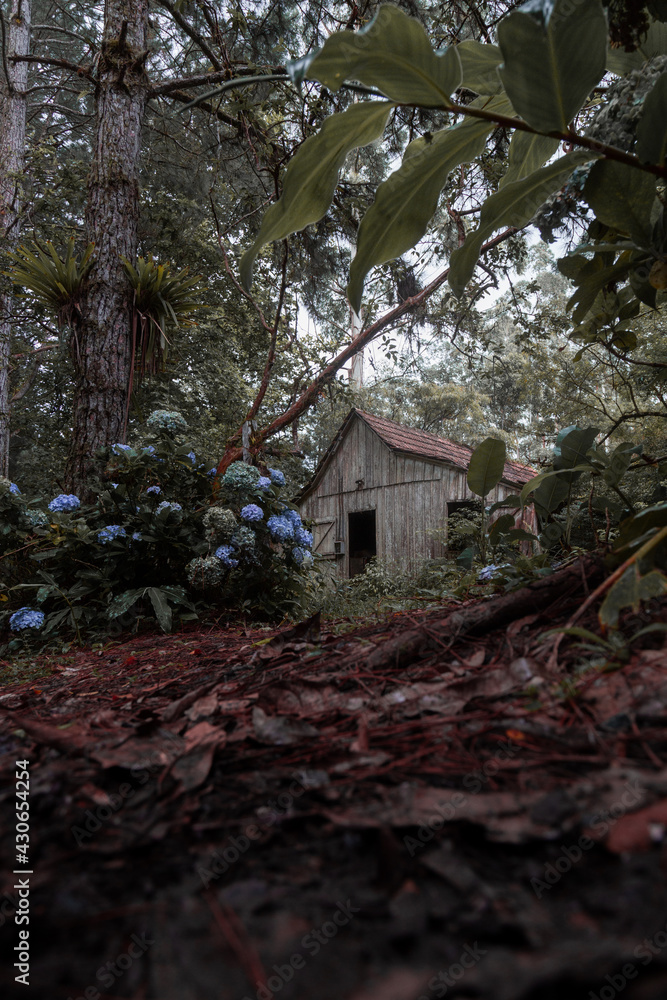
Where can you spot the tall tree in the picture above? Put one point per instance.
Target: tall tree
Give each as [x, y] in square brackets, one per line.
[102, 344]
[13, 87]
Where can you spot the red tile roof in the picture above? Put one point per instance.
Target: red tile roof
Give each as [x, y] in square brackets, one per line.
[407, 439]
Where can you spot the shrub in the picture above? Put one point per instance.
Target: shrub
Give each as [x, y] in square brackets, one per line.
[150, 543]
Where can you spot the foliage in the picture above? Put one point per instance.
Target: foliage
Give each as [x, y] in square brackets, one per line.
[149, 544]
[55, 282]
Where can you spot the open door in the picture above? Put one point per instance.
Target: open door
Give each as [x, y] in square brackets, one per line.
[362, 541]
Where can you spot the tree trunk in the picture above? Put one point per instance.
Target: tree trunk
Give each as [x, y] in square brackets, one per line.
[102, 343]
[13, 88]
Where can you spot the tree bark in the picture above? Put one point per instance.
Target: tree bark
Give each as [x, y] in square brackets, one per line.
[13, 86]
[102, 341]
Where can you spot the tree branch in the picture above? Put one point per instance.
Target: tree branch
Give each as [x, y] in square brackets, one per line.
[61, 63]
[192, 32]
[186, 81]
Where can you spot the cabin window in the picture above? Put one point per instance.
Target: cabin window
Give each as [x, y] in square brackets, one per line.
[362, 543]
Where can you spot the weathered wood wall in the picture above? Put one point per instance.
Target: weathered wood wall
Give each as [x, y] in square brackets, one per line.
[409, 495]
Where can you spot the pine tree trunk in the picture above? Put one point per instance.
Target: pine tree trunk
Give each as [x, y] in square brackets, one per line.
[102, 344]
[12, 157]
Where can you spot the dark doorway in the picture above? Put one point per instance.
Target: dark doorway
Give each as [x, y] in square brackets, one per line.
[361, 539]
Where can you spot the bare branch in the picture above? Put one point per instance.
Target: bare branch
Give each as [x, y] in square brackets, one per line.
[192, 32]
[61, 63]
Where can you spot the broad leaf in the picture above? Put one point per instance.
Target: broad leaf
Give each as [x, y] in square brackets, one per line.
[630, 591]
[512, 501]
[487, 464]
[564, 475]
[161, 608]
[652, 131]
[479, 66]
[554, 54]
[392, 54]
[406, 201]
[653, 44]
[312, 175]
[619, 463]
[551, 493]
[574, 447]
[123, 602]
[500, 527]
[514, 205]
[527, 153]
[622, 198]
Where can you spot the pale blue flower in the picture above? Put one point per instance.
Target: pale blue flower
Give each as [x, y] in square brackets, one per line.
[487, 572]
[277, 477]
[167, 505]
[251, 512]
[118, 449]
[155, 490]
[26, 618]
[136, 536]
[213, 471]
[110, 532]
[240, 476]
[114, 486]
[263, 483]
[225, 554]
[191, 455]
[65, 501]
[302, 556]
[149, 450]
[303, 536]
[13, 488]
[167, 421]
[292, 516]
[281, 528]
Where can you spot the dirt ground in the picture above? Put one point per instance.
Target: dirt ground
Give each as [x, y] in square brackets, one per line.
[439, 804]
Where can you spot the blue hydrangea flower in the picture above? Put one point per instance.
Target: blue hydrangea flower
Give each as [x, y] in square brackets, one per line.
[263, 483]
[136, 536]
[149, 450]
[191, 455]
[167, 421]
[282, 529]
[303, 536]
[110, 532]
[277, 477]
[64, 501]
[35, 518]
[292, 516]
[225, 554]
[13, 488]
[118, 449]
[213, 471]
[487, 572]
[251, 512]
[114, 486]
[302, 556]
[155, 490]
[241, 476]
[26, 618]
[167, 505]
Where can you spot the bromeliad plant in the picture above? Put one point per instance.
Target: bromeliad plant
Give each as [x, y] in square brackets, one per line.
[54, 281]
[163, 301]
[151, 544]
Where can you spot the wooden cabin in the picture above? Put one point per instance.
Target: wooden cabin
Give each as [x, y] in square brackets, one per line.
[385, 490]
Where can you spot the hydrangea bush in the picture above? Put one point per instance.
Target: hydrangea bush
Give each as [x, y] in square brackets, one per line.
[156, 540]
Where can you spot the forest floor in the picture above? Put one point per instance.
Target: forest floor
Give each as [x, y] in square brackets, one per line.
[437, 804]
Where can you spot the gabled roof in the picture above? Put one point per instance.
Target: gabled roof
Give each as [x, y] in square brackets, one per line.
[410, 441]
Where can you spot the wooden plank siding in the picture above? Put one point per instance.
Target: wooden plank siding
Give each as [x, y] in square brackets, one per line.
[408, 493]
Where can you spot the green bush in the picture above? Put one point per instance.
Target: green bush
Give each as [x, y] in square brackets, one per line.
[154, 541]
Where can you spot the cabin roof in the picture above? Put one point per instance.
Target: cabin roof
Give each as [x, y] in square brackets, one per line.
[410, 441]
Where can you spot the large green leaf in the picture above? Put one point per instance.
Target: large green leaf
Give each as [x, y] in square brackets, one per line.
[514, 205]
[479, 66]
[392, 54]
[630, 591]
[652, 131]
[161, 607]
[562, 475]
[527, 153]
[406, 201]
[554, 54]
[574, 447]
[551, 494]
[487, 464]
[622, 198]
[654, 43]
[312, 175]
